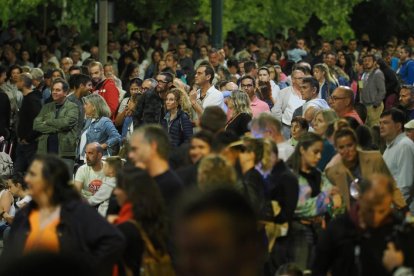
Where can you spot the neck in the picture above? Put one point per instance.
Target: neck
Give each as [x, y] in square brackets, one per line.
[43, 202]
[26, 91]
[305, 167]
[98, 166]
[390, 139]
[157, 166]
[344, 111]
[350, 164]
[204, 88]
[77, 94]
[173, 112]
[60, 102]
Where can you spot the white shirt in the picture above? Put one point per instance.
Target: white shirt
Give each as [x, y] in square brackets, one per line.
[293, 103]
[285, 150]
[213, 98]
[275, 89]
[91, 180]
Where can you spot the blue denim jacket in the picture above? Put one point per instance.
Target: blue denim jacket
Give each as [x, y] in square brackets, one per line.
[103, 131]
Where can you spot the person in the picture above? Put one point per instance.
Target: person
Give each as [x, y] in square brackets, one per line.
[342, 102]
[406, 69]
[248, 85]
[176, 122]
[407, 100]
[267, 126]
[98, 127]
[150, 108]
[372, 90]
[364, 232]
[409, 129]
[57, 221]
[149, 148]
[128, 104]
[26, 136]
[215, 233]
[15, 95]
[207, 94]
[57, 123]
[264, 76]
[241, 113]
[100, 198]
[104, 87]
[213, 119]
[355, 165]
[82, 86]
[214, 171]
[327, 82]
[288, 101]
[317, 198]
[299, 127]
[142, 205]
[5, 107]
[7, 208]
[399, 153]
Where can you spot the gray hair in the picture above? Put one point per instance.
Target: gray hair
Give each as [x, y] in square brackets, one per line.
[100, 105]
[153, 83]
[37, 74]
[27, 79]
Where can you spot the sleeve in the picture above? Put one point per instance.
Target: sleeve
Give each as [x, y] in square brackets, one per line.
[410, 73]
[217, 100]
[104, 192]
[112, 134]
[66, 120]
[277, 108]
[290, 198]
[405, 175]
[34, 111]
[123, 105]
[39, 122]
[111, 96]
[380, 83]
[80, 175]
[187, 127]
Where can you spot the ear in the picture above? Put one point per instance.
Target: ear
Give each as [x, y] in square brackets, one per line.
[302, 150]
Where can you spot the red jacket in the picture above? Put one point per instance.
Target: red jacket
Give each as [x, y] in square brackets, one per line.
[107, 89]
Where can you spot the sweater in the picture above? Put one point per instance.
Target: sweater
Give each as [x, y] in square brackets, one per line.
[31, 107]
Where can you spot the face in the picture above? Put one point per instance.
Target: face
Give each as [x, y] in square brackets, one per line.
[241, 68]
[35, 181]
[410, 133]
[96, 74]
[403, 55]
[307, 91]
[92, 156]
[58, 94]
[368, 63]
[86, 88]
[108, 170]
[56, 75]
[352, 45]
[135, 73]
[198, 149]
[330, 60]
[162, 65]
[201, 77]
[169, 61]
[25, 56]
[203, 52]
[89, 109]
[388, 128]
[141, 151]
[162, 85]
[134, 89]
[146, 85]
[247, 85]
[301, 44]
[406, 100]
[320, 125]
[312, 154]
[263, 75]
[297, 130]
[338, 101]
[326, 47]
[13, 188]
[170, 102]
[181, 50]
[3, 77]
[297, 77]
[66, 64]
[19, 83]
[121, 196]
[206, 245]
[214, 59]
[347, 148]
[15, 73]
[318, 74]
[109, 72]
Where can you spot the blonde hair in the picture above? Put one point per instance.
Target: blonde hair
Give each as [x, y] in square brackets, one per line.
[241, 103]
[215, 171]
[327, 73]
[328, 115]
[262, 149]
[184, 101]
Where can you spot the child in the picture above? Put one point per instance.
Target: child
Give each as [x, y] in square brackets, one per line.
[100, 199]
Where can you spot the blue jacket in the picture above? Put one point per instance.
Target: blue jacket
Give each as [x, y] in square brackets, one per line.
[406, 72]
[327, 90]
[103, 131]
[180, 129]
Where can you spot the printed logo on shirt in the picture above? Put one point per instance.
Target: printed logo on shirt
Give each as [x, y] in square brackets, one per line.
[94, 185]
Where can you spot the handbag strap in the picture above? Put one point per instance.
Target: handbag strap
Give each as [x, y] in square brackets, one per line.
[148, 244]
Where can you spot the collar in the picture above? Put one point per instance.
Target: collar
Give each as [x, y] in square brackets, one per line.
[125, 213]
[396, 140]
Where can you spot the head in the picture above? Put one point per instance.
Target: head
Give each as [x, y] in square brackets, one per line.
[37, 76]
[248, 85]
[309, 88]
[239, 102]
[82, 84]
[214, 171]
[405, 53]
[172, 100]
[17, 185]
[13, 73]
[369, 62]
[299, 126]
[148, 84]
[392, 124]
[95, 106]
[262, 151]
[96, 71]
[164, 82]
[135, 87]
[214, 58]
[60, 89]
[250, 68]
[264, 74]
[216, 234]
[308, 152]
[213, 119]
[297, 77]
[320, 71]
[322, 120]
[74, 69]
[112, 166]
[93, 154]
[346, 142]
[267, 126]
[342, 100]
[24, 82]
[58, 73]
[407, 96]
[200, 145]
[171, 60]
[330, 59]
[65, 64]
[48, 180]
[149, 143]
[204, 75]
[3, 74]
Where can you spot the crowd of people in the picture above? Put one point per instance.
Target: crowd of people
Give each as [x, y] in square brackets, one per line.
[291, 156]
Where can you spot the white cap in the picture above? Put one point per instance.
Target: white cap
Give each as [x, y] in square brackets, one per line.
[409, 125]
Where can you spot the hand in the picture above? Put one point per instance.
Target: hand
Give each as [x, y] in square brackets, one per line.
[193, 95]
[392, 257]
[104, 146]
[336, 201]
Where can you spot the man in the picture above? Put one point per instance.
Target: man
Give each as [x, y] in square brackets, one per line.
[57, 123]
[207, 94]
[26, 136]
[104, 87]
[250, 69]
[342, 101]
[409, 129]
[216, 234]
[267, 126]
[185, 62]
[74, 70]
[38, 82]
[399, 154]
[65, 64]
[247, 84]
[288, 101]
[407, 100]
[171, 60]
[353, 243]
[341, 76]
[89, 176]
[352, 48]
[373, 90]
[148, 85]
[309, 90]
[406, 70]
[82, 86]
[150, 107]
[150, 149]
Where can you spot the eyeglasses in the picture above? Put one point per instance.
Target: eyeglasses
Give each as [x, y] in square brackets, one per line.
[145, 88]
[163, 81]
[334, 98]
[246, 85]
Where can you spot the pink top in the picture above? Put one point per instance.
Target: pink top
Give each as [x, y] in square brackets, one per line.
[258, 106]
[354, 115]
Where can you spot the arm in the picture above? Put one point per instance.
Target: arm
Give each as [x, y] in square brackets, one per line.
[113, 135]
[122, 110]
[104, 191]
[194, 104]
[6, 201]
[380, 85]
[39, 122]
[277, 108]
[111, 96]
[67, 120]
[187, 127]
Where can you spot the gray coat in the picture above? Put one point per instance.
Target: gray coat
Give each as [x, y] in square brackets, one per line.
[373, 91]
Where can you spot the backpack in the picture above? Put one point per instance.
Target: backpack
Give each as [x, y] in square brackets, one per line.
[153, 262]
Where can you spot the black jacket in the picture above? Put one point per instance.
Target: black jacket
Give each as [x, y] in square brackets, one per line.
[31, 107]
[82, 233]
[5, 112]
[180, 129]
[150, 109]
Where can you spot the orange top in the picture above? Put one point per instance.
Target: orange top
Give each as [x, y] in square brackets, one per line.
[42, 239]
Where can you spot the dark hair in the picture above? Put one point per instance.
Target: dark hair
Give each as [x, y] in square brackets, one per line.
[374, 58]
[232, 62]
[3, 70]
[365, 185]
[245, 77]
[13, 67]
[249, 66]
[265, 90]
[397, 116]
[312, 81]
[76, 80]
[129, 69]
[56, 174]
[168, 76]
[65, 85]
[365, 139]
[156, 134]
[213, 119]
[18, 178]
[204, 135]
[407, 49]
[62, 75]
[222, 140]
[75, 67]
[361, 109]
[148, 203]
[209, 70]
[301, 121]
[344, 132]
[305, 141]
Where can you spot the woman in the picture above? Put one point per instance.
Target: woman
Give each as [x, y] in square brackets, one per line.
[57, 221]
[142, 213]
[299, 126]
[320, 124]
[98, 127]
[327, 82]
[241, 113]
[10, 88]
[356, 164]
[266, 93]
[317, 198]
[156, 56]
[176, 122]
[7, 207]
[264, 76]
[214, 171]
[131, 72]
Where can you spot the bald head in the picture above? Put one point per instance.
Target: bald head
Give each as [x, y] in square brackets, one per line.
[342, 100]
[93, 154]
